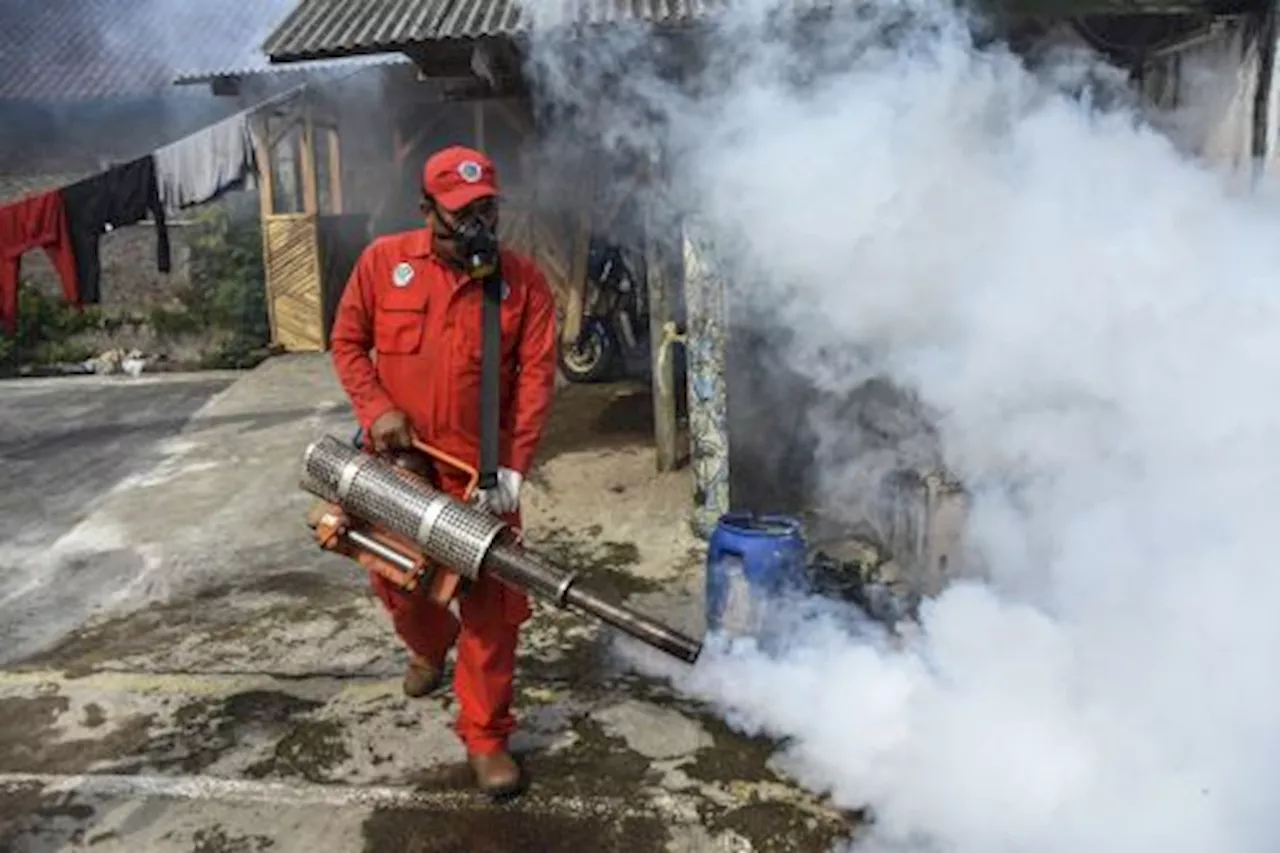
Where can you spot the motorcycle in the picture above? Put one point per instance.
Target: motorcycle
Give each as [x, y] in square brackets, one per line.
[614, 337]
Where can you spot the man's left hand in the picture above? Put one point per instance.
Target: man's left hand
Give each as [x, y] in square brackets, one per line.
[504, 498]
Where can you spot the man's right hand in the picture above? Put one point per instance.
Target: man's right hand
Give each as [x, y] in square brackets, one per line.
[391, 432]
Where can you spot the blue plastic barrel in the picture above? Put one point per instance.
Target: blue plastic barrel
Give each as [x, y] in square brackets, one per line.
[750, 560]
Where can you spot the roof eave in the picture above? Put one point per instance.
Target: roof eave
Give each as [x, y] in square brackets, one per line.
[518, 31]
[338, 52]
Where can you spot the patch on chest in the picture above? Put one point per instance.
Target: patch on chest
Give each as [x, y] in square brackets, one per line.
[402, 274]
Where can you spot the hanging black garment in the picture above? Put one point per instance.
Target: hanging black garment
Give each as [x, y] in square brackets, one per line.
[122, 195]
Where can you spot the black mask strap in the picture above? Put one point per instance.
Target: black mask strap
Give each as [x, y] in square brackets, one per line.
[492, 287]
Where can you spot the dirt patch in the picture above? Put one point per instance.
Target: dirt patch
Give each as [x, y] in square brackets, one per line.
[308, 585]
[215, 839]
[93, 715]
[582, 667]
[596, 764]
[310, 750]
[29, 743]
[30, 820]
[17, 804]
[571, 652]
[613, 512]
[604, 564]
[167, 624]
[206, 729]
[774, 827]
[734, 757]
[498, 830]
[596, 417]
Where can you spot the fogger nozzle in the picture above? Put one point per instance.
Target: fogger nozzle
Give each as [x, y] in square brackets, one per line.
[463, 538]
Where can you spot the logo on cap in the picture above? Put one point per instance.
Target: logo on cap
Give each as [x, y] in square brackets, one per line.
[402, 274]
[470, 171]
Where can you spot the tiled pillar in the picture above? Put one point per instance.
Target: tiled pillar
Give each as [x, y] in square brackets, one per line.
[705, 348]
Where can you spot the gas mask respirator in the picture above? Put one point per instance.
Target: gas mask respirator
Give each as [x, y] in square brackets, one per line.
[477, 244]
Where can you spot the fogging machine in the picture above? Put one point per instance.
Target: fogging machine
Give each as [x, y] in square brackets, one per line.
[388, 514]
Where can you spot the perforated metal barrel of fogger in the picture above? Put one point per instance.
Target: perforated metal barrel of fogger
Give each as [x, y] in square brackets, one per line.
[463, 538]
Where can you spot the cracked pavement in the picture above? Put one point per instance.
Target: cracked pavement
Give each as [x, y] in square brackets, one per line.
[183, 670]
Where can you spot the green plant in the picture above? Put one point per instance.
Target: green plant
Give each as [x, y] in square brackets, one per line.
[46, 329]
[42, 318]
[234, 355]
[170, 323]
[62, 352]
[226, 301]
[228, 293]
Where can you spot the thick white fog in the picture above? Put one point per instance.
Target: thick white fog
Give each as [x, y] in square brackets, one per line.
[1096, 322]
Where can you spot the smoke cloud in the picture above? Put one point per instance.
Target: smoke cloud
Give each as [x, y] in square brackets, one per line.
[89, 83]
[1093, 322]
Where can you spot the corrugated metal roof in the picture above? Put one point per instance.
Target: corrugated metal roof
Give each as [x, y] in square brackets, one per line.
[264, 66]
[331, 28]
[62, 50]
[326, 28]
[230, 39]
[469, 19]
[479, 18]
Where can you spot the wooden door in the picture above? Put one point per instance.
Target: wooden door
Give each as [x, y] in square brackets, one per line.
[300, 165]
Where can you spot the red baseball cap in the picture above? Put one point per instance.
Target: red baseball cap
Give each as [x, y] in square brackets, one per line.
[457, 176]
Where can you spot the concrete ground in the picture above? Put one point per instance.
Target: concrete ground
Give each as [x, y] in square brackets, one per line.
[182, 670]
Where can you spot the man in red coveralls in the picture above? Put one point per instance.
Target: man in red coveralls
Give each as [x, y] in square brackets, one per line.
[410, 300]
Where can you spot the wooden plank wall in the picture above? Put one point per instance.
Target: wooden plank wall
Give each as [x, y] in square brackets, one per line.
[293, 276]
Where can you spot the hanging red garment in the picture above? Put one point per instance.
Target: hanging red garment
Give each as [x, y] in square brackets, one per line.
[34, 222]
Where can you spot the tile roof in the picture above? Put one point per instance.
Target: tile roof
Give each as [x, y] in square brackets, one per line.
[63, 50]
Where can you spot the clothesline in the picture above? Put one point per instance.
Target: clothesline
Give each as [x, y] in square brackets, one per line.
[69, 221]
[200, 166]
[239, 114]
[247, 112]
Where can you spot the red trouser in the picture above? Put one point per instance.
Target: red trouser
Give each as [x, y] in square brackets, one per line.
[36, 222]
[483, 679]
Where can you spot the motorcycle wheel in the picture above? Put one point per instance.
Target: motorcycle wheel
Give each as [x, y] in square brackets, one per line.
[591, 360]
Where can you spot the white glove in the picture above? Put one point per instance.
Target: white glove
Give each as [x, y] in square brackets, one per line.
[504, 498]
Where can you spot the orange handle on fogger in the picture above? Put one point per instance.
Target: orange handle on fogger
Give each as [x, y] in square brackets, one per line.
[473, 475]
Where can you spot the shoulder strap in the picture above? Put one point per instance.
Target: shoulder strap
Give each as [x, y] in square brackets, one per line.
[491, 352]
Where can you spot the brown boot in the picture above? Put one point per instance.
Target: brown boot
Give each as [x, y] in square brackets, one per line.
[497, 774]
[420, 678]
